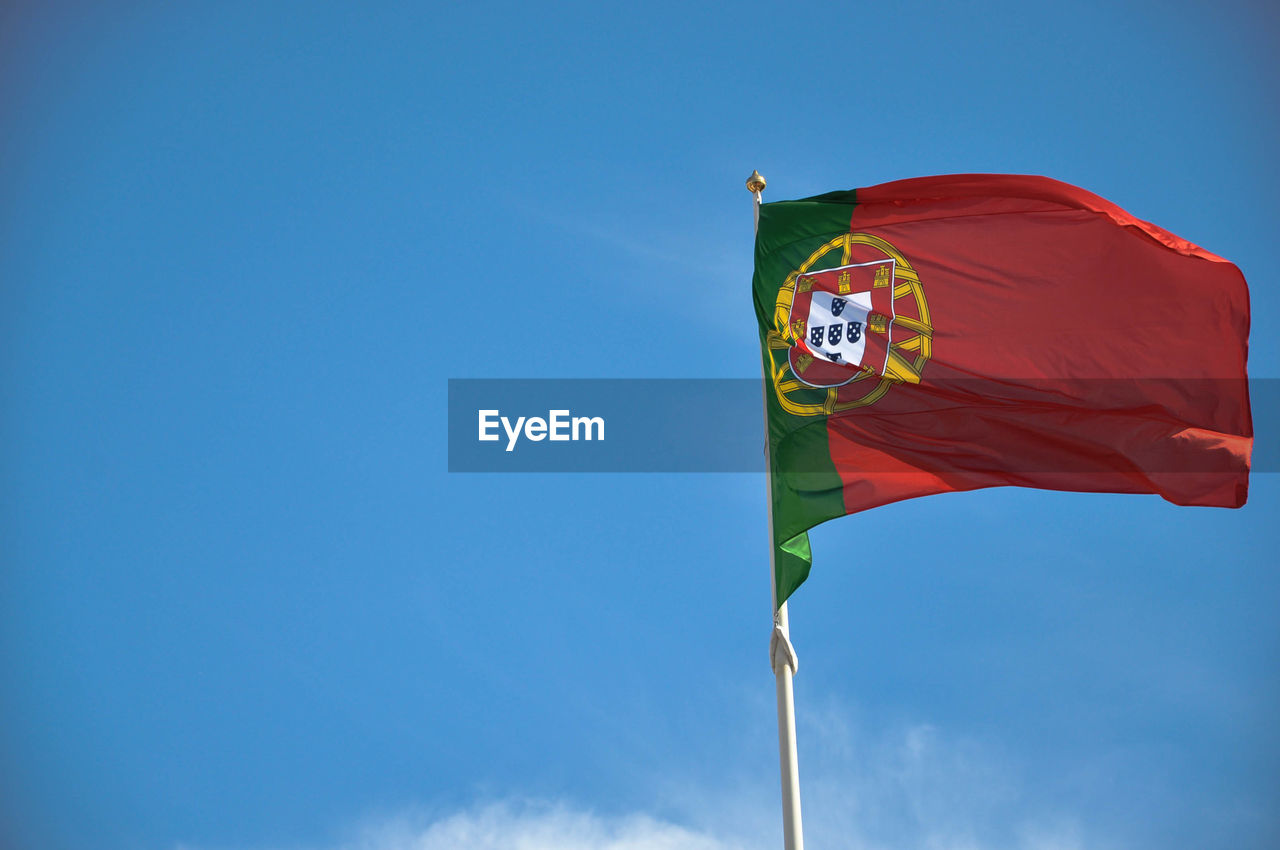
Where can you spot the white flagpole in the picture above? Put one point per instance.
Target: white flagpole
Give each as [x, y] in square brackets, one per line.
[782, 655]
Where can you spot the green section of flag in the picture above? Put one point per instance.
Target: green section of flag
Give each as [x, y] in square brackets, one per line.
[805, 487]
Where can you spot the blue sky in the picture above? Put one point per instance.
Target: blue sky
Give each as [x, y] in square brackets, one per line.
[244, 606]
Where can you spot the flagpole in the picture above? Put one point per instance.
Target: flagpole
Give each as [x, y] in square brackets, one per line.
[782, 655]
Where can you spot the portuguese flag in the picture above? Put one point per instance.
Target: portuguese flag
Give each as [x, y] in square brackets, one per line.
[967, 331]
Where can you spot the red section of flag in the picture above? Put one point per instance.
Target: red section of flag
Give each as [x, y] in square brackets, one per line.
[1074, 347]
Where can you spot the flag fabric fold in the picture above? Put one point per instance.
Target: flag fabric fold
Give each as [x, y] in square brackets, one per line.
[952, 333]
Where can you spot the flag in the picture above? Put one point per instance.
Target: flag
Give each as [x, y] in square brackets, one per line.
[958, 332]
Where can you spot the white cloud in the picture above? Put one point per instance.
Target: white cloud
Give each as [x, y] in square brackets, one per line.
[912, 786]
[535, 826]
[915, 786]
[904, 785]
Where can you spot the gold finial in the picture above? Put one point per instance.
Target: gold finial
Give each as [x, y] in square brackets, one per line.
[755, 183]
